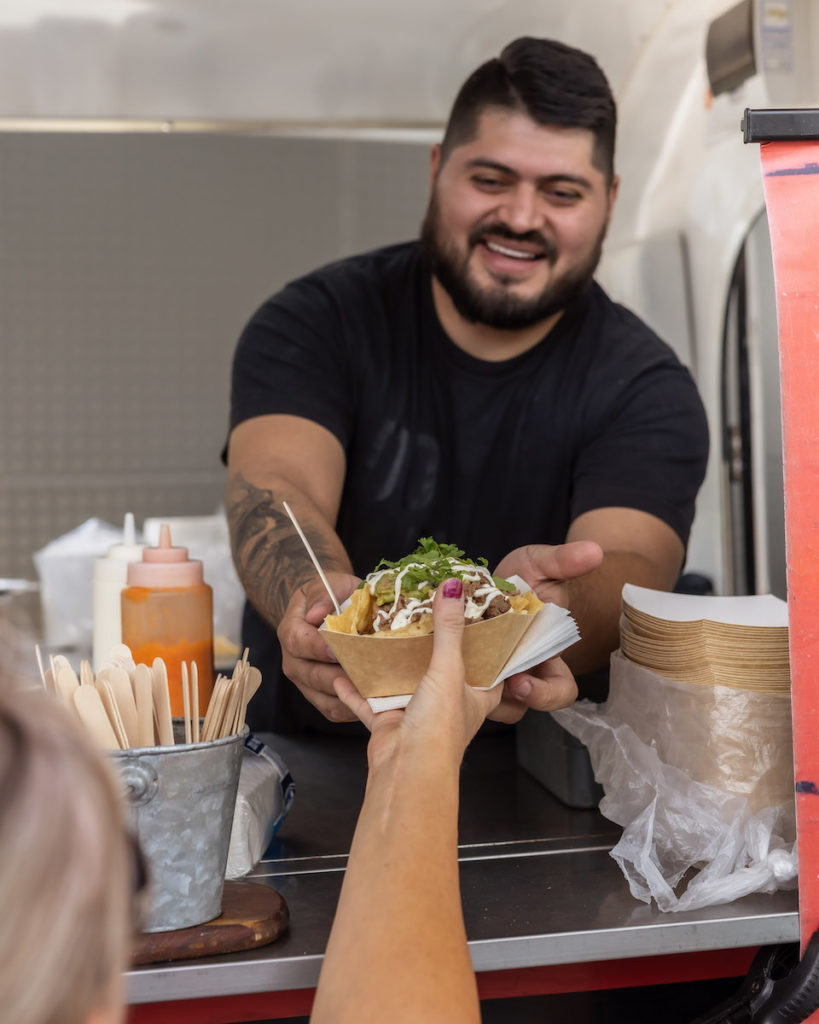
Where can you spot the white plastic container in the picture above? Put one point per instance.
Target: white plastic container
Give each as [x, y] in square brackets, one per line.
[110, 579]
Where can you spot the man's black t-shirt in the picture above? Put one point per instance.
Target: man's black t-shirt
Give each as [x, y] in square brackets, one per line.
[486, 455]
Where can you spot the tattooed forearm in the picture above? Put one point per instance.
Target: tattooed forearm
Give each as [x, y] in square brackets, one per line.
[270, 557]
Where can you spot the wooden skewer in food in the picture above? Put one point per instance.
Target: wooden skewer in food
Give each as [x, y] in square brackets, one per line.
[312, 555]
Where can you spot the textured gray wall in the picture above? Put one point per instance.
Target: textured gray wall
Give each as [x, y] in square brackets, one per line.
[128, 266]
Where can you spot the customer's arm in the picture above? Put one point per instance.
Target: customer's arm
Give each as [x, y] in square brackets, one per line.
[272, 459]
[397, 951]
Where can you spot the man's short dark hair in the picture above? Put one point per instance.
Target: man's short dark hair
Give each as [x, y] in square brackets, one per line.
[554, 84]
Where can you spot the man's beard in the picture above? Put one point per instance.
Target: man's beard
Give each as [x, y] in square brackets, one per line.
[499, 307]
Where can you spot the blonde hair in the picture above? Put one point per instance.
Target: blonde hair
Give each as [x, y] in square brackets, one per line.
[66, 867]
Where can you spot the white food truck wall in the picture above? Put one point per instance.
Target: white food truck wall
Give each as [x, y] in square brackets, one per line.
[701, 190]
[168, 164]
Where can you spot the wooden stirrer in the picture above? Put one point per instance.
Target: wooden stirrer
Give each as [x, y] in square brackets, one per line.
[186, 701]
[120, 683]
[144, 699]
[66, 683]
[162, 703]
[253, 680]
[109, 702]
[40, 665]
[216, 708]
[89, 707]
[195, 700]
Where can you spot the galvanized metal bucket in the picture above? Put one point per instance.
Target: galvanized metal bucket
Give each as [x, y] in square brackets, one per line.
[182, 800]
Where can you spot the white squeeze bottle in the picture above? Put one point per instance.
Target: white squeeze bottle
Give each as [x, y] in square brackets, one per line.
[110, 579]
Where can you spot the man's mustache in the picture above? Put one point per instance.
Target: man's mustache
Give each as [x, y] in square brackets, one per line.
[498, 230]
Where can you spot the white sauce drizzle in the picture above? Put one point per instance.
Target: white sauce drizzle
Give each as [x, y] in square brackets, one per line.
[473, 609]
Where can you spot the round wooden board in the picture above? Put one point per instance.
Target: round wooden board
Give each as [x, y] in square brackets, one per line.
[252, 915]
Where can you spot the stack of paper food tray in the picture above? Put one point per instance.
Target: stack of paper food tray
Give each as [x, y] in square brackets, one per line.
[739, 642]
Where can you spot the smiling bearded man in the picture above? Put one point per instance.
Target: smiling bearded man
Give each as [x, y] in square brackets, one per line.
[476, 386]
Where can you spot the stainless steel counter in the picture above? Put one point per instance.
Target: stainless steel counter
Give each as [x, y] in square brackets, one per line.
[538, 884]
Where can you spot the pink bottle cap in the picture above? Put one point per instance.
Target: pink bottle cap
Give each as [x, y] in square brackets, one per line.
[165, 565]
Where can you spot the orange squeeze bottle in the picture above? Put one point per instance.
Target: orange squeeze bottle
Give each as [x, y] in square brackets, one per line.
[167, 612]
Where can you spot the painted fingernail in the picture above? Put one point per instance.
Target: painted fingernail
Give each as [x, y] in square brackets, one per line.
[453, 588]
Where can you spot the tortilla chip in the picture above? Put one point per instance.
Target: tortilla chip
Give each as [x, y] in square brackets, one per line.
[357, 617]
[344, 623]
[527, 603]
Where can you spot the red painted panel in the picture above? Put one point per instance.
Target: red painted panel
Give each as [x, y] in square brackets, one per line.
[226, 1009]
[527, 981]
[607, 974]
[791, 179]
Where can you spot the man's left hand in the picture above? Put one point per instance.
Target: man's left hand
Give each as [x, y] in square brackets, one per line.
[547, 569]
[546, 687]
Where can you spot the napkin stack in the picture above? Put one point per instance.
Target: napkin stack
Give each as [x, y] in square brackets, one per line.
[739, 642]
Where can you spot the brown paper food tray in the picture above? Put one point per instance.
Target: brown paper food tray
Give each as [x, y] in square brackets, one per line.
[384, 666]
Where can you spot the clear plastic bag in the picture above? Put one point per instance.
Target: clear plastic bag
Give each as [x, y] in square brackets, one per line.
[66, 569]
[701, 780]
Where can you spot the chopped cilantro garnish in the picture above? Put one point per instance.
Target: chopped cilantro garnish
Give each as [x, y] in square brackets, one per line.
[503, 584]
[430, 564]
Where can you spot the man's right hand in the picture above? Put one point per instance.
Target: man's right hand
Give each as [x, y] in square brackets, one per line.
[306, 658]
